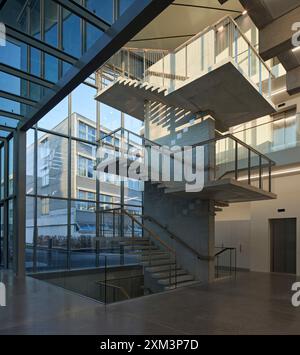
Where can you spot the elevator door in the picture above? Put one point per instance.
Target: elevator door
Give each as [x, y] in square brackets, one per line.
[283, 245]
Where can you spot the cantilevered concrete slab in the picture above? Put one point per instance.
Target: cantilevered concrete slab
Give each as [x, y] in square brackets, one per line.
[224, 91]
[129, 96]
[227, 190]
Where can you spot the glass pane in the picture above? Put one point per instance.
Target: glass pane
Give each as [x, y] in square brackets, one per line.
[14, 54]
[83, 174]
[30, 162]
[52, 168]
[51, 23]
[57, 118]
[10, 232]
[102, 9]
[92, 34]
[11, 167]
[35, 18]
[2, 172]
[84, 112]
[110, 118]
[14, 13]
[71, 33]
[124, 4]
[1, 235]
[83, 232]
[52, 219]
[30, 202]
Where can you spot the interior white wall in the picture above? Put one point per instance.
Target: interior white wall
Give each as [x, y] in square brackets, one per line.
[246, 225]
[288, 196]
[233, 230]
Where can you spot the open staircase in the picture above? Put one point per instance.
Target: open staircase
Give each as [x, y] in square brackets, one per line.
[160, 264]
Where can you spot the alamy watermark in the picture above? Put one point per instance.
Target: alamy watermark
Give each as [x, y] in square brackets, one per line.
[2, 35]
[296, 35]
[2, 295]
[296, 296]
[155, 163]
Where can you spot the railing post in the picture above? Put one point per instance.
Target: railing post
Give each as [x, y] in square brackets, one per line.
[175, 272]
[105, 279]
[270, 176]
[163, 76]
[260, 172]
[186, 60]
[260, 77]
[236, 161]
[235, 44]
[144, 65]
[235, 263]
[249, 167]
[230, 262]
[249, 61]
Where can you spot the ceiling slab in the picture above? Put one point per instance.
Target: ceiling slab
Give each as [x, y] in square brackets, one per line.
[177, 23]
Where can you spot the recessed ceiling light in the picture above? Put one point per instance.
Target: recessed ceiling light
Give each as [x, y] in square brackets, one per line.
[296, 49]
[221, 29]
[244, 12]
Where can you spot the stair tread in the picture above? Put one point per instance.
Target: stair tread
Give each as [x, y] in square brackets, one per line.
[161, 268]
[182, 284]
[178, 279]
[159, 262]
[166, 274]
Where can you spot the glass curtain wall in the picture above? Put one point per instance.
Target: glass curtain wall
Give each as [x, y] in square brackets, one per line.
[63, 195]
[7, 203]
[63, 192]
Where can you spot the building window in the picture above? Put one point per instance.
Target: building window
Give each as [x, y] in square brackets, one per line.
[86, 205]
[44, 161]
[44, 148]
[86, 132]
[82, 130]
[85, 167]
[45, 206]
[45, 176]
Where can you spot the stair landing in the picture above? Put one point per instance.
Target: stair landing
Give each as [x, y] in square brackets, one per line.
[229, 190]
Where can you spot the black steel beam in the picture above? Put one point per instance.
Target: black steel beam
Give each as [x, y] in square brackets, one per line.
[85, 14]
[13, 115]
[17, 98]
[40, 45]
[135, 18]
[6, 128]
[26, 76]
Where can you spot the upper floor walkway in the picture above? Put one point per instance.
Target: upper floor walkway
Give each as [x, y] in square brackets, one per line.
[217, 71]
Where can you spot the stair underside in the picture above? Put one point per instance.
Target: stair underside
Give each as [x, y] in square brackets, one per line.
[229, 190]
[224, 91]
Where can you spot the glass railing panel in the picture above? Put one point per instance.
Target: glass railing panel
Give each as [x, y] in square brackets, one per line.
[225, 158]
[242, 162]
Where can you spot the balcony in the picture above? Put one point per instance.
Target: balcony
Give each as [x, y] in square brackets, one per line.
[217, 71]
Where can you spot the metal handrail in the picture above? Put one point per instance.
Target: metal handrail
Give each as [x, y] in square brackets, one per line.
[211, 140]
[153, 234]
[178, 239]
[222, 251]
[209, 28]
[105, 284]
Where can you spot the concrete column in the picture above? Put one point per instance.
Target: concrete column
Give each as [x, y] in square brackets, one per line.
[19, 203]
[189, 218]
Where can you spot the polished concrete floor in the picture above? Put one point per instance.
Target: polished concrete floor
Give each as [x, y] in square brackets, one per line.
[253, 304]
